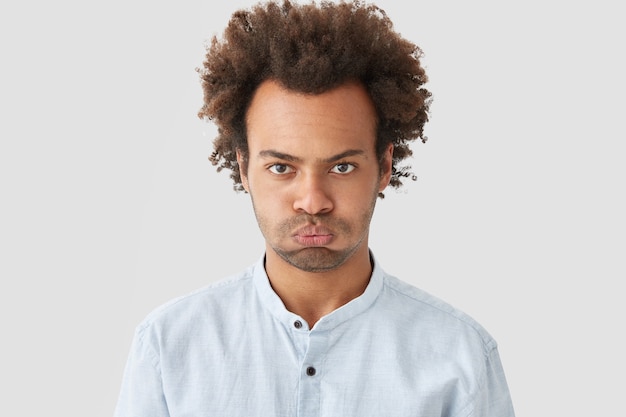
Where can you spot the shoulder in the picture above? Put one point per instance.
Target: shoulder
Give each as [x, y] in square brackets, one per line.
[427, 311]
[209, 301]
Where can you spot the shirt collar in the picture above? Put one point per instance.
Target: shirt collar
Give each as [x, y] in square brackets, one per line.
[272, 302]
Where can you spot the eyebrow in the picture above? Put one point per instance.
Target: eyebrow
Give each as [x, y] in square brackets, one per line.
[270, 153]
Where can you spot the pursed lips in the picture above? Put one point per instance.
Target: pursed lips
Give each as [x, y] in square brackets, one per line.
[313, 236]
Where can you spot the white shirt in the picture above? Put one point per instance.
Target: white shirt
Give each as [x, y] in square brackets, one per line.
[232, 349]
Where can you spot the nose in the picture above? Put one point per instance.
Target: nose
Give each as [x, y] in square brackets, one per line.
[312, 196]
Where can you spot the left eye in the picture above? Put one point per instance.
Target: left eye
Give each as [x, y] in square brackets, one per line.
[344, 168]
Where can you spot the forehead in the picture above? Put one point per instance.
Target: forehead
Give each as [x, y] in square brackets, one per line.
[311, 125]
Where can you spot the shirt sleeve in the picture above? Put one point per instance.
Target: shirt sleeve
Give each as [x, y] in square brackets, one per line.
[141, 394]
[492, 398]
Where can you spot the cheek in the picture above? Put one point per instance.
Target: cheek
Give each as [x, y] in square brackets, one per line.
[354, 199]
[269, 201]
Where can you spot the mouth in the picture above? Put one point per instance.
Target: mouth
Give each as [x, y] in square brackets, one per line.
[313, 236]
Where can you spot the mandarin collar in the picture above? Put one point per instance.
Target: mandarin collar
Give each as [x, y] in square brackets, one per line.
[272, 302]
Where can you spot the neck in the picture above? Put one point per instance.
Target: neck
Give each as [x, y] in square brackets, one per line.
[312, 295]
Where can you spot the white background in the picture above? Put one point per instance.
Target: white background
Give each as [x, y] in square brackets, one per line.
[109, 205]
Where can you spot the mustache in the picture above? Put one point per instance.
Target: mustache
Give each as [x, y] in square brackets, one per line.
[324, 220]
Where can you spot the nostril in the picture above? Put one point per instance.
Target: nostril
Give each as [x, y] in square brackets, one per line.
[313, 202]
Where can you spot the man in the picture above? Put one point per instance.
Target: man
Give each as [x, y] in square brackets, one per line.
[315, 106]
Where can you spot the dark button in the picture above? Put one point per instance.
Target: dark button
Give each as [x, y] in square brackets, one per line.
[310, 371]
[297, 324]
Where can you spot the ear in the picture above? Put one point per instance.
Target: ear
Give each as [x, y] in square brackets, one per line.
[385, 168]
[243, 170]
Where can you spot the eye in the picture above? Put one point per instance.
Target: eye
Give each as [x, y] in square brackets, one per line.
[280, 169]
[343, 168]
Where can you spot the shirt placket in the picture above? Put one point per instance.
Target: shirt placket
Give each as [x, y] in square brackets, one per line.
[311, 373]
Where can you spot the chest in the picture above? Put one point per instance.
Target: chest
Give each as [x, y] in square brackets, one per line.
[306, 374]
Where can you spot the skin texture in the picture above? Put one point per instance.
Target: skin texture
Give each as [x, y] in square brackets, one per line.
[314, 176]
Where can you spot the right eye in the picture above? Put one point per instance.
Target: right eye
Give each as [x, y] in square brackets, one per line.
[280, 169]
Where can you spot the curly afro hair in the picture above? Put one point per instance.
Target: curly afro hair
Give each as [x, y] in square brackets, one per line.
[312, 49]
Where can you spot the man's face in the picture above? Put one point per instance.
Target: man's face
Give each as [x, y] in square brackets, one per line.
[313, 173]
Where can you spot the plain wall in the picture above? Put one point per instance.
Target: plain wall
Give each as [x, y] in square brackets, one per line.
[110, 206]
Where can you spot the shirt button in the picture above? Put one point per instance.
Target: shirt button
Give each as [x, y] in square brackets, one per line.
[297, 324]
[310, 371]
